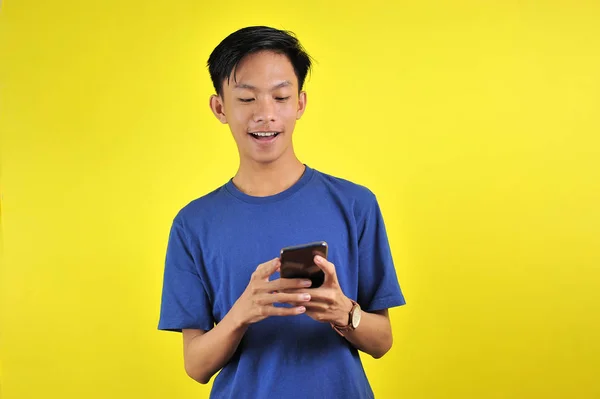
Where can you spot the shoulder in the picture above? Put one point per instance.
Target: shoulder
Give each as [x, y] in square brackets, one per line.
[347, 187]
[359, 197]
[202, 208]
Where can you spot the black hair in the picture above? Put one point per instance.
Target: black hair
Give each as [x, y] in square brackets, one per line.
[228, 54]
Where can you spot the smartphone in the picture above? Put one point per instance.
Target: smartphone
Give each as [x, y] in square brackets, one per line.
[298, 262]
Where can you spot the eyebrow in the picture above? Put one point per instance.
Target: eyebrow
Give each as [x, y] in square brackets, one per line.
[250, 87]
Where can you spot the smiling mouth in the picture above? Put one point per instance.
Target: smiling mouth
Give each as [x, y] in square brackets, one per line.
[264, 136]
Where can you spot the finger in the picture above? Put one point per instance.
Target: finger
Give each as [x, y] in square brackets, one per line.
[279, 311]
[264, 270]
[322, 295]
[270, 299]
[282, 284]
[293, 290]
[327, 267]
[315, 306]
[297, 303]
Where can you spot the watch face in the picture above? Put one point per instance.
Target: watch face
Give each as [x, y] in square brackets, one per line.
[356, 317]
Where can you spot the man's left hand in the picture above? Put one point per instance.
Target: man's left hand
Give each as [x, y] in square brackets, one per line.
[328, 303]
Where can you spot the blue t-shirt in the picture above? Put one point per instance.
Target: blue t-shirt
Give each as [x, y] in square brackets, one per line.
[218, 240]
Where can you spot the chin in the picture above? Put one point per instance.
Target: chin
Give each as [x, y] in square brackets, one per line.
[265, 156]
[264, 159]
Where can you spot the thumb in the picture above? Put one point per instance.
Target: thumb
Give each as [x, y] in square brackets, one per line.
[327, 267]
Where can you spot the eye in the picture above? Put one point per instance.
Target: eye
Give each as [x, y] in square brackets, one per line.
[246, 100]
[282, 98]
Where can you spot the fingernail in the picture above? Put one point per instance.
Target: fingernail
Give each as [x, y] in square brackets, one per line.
[301, 309]
[306, 297]
[306, 283]
[319, 259]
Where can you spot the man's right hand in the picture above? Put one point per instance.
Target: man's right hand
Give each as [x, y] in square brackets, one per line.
[256, 302]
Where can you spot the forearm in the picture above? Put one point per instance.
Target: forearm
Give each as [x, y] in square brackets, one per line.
[373, 335]
[208, 353]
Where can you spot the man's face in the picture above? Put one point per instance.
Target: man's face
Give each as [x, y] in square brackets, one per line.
[261, 106]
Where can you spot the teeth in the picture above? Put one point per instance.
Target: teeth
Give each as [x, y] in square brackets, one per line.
[265, 134]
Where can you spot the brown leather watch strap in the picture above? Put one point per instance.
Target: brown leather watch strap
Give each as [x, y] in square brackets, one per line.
[348, 327]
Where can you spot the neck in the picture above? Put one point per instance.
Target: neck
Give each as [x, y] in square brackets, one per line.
[265, 179]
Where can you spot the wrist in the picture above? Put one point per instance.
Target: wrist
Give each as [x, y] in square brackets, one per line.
[352, 321]
[239, 320]
[346, 308]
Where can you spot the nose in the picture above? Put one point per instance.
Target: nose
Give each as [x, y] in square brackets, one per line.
[264, 111]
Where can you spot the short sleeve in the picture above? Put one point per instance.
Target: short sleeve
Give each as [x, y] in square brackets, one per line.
[378, 286]
[184, 303]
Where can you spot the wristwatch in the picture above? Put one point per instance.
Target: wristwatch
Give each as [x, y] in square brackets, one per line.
[353, 320]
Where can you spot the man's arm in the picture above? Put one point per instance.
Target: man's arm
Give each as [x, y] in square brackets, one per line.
[205, 353]
[329, 304]
[374, 333]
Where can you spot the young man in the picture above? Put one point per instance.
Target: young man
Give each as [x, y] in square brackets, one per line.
[274, 337]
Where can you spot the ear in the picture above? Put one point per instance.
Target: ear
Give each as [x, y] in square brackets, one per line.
[301, 104]
[217, 106]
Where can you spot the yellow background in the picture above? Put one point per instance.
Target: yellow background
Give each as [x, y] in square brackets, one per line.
[475, 122]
